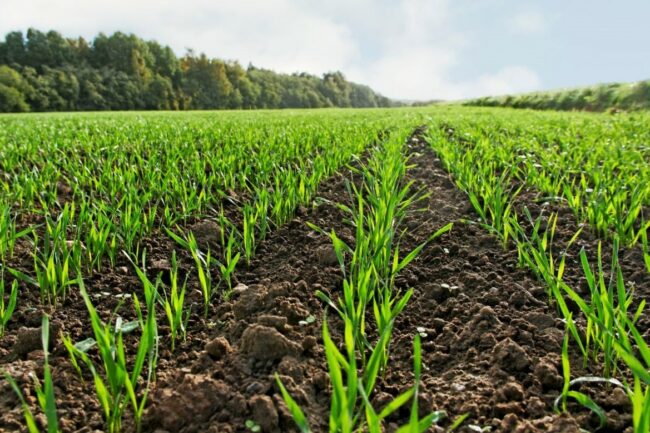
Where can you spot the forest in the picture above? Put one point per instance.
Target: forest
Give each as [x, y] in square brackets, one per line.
[45, 71]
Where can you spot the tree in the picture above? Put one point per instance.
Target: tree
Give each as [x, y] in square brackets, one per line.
[14, 48]
[12, 91]
[125, 53]
[42, 50]
[159, 94]
[206, 82]
[335, 88]
[91, 90]
[245, 93]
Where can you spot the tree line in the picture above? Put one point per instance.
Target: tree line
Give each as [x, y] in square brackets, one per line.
[48, 72]
[601, 97]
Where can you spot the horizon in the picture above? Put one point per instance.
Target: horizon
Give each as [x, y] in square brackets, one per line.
[419, 50]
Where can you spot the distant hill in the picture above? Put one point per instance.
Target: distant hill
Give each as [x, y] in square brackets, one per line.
[48, 72]
[601, 97]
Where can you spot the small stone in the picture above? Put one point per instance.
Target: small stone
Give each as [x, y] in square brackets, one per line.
[254, 388]
[218, 348]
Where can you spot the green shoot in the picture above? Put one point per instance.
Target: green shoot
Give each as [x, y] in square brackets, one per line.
[174, 305]
[44, 392]
[120, 386]
[7, 310]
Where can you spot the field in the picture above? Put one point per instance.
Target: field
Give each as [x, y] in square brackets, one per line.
[401, 270]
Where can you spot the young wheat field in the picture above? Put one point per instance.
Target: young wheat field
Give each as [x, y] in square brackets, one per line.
[382, 270]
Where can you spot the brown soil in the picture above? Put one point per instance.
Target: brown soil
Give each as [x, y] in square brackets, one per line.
[491, 340]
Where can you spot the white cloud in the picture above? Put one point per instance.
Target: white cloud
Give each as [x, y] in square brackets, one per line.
[528, 22]
[406, 49]
[276, 34]
[508, 80]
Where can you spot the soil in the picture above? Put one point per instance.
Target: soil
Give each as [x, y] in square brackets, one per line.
[491, 340]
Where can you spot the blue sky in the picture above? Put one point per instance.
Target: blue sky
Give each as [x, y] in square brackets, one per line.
[408, 49]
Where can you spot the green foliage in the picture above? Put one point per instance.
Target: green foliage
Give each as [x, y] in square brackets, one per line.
[351, 409]
[13, 91]
[116, 386]
[369, 278]
[601, 97]
[570, 159]
[174, 305]
[7, 309]
[123, 72]
[100, 183]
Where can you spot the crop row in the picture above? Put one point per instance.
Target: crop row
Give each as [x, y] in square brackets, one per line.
[369, 268]
[493, 169]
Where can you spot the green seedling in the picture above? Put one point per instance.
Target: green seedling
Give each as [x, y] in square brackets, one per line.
[7, 309]
[174, 305]
[44, 392]
[115, 380]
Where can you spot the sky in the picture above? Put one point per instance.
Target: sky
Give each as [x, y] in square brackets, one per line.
[404, 49]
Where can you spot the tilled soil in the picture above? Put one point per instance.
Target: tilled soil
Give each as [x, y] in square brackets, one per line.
[491, 340]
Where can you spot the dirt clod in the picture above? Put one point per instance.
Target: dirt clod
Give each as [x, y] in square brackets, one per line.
[511, 391]
[218, 348]
[207, 234]
[548, 376]
[277, 322]
[199, 396]
[264, 412]
[29, 340]
[510, 356]
[266, 344]
[326, 255]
